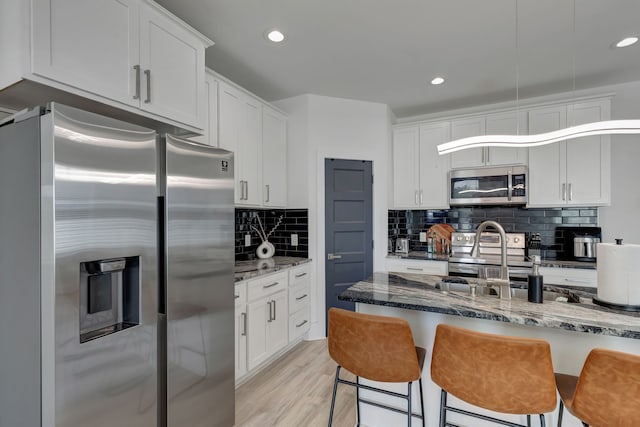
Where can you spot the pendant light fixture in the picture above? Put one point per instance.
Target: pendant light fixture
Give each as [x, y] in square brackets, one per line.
[517, 141]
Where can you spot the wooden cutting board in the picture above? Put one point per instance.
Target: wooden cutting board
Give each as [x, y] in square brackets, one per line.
[440, 232]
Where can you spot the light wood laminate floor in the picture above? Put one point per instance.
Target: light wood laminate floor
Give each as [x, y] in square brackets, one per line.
[295, 391]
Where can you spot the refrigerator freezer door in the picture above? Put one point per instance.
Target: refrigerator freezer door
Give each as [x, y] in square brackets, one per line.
[103, 175]
[199, 284]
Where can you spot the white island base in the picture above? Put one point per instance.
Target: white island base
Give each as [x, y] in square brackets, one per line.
[569, 351]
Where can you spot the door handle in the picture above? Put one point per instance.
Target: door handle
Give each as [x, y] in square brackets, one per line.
[269, 286]
[274, 310]
[148, 74]
[246, 190]
[301, 298]
[270, 311]
[415, 197]
[137, 95]
[244, 324]
[570, 192]
[564, 191]
[421, 197]
[301, 324]
[332, 257]
[301, 275]
[267, 193]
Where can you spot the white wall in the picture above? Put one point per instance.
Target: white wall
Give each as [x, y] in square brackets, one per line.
[325, 127]
[622, 218]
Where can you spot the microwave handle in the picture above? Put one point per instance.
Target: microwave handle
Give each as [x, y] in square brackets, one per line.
[509, 185]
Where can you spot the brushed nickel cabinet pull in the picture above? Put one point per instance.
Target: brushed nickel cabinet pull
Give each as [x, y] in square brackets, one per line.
[270, 311]
[268, 196]
[570, 191]
[237, 296]
[303, 322]
[148, 74]
[302, 297]
[415, 268]
[137, 95]
[300, 274]
[270, 286]
[564, 191]
[275, 312]
[244, 324]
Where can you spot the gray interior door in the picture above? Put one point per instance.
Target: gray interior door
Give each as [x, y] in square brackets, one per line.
[348, 226]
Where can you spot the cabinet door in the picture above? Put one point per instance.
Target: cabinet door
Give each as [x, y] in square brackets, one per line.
[274, 158]
[506, 124]
[464, 128]
[172, 61]
[434, 169]
[241, 340]
[91, 45]
[547, 180]
[258, 349]
[406, 167]
[278, 327]
[210, 132]
[589, 158]
[250, 151]
[230, 122]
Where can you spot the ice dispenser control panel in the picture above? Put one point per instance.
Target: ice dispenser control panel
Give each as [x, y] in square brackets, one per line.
[109, 296]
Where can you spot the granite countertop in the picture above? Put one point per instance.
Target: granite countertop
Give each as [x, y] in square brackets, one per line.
[421, 255]
[247, 269]
[418, 292]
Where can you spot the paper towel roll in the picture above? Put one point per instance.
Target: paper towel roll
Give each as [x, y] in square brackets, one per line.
[619, 273]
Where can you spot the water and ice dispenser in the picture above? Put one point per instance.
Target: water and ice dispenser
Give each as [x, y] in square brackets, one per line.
[109, 296]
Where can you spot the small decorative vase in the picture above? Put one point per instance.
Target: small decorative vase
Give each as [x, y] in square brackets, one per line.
[265, 250]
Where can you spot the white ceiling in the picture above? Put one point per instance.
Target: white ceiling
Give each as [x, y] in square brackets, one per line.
[388, 50]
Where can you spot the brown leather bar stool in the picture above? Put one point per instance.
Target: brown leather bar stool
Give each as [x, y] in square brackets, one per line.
[377, 348]
[511, 375]
[607, 392]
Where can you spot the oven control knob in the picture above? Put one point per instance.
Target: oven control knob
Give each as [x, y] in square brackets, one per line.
[467, 238]
[459, 238]
[516, 239]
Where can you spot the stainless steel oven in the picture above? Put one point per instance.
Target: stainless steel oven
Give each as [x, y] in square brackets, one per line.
[462, 264]
[488, 186]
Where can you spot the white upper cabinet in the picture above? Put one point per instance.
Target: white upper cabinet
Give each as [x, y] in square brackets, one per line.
[172, 62]
[420, 175]
[91, 45]
[509, 123]
[210, 131]
[575, 172]
[123, 53]
[257, 134]
[464, 128]
[274, 158]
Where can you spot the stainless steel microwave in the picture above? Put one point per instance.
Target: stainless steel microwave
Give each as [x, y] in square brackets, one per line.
[502, 185]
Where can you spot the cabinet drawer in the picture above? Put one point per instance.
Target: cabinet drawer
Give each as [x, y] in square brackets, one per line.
[569, 276]
[298, 297]
[240, 293]
[417, 266]
[263, 286]
[298, 275]
[299, 324]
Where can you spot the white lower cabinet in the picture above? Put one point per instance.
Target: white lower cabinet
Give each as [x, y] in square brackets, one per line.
[299, 296]
[241, 329]
[569, 276]
[267, 317]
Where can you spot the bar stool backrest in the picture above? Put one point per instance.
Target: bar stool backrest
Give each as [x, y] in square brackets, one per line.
[506, 374]
[377, 348]
[608, 389]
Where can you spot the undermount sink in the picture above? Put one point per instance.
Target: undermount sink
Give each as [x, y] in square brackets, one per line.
[465, 287]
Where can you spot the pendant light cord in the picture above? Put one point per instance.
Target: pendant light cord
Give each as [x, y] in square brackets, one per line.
[517, 74]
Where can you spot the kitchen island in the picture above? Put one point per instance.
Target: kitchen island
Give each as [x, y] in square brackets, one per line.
[572, 329]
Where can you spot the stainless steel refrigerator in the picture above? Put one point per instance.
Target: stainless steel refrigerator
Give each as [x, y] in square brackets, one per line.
[116, 275]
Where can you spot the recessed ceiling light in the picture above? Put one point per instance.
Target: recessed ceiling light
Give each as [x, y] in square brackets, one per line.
[275, 36]
[627, 41]
[437, 81]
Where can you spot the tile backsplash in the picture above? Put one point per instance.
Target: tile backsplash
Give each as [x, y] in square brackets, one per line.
[294, 221]
[409, 223]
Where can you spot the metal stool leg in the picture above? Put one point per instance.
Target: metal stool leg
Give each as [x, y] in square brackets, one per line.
[528, 420]
[357, 401]
[421, 401]
[333, 397]
[560, 413]
[542, 421]
[409, 404]
[443, 411]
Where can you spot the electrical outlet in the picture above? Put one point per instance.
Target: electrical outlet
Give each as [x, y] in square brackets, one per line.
[247, 240]
[423, 236]
[294, 240]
